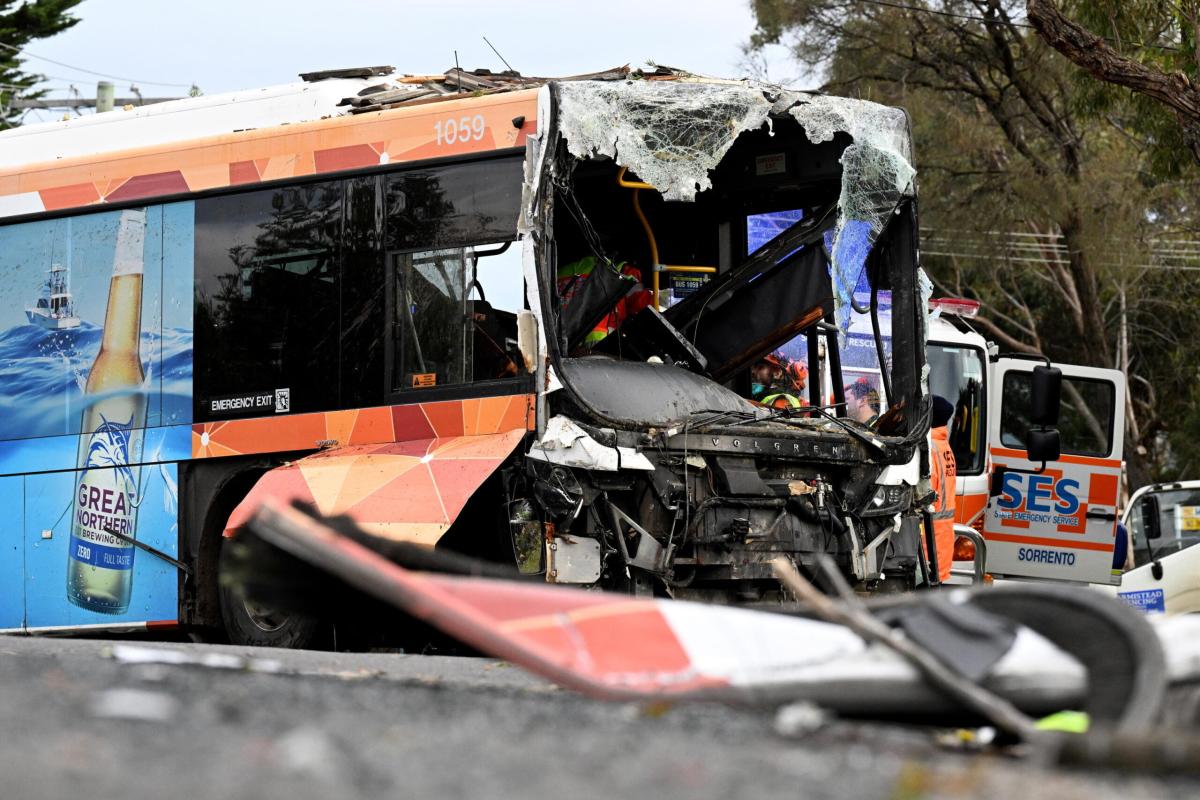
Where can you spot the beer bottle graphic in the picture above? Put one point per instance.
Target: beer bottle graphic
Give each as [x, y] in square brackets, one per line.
[100, 564]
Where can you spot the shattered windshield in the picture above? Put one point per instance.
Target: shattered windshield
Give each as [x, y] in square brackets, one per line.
[733, 229]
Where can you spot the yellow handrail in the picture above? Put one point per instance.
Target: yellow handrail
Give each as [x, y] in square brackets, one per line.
[630, 184]
[681, 268]
[655, 267]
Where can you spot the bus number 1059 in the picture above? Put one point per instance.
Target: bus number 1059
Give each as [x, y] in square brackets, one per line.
[466, 129]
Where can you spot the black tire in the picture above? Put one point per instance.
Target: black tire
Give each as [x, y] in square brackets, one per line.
[247, 623]
[1123, 657]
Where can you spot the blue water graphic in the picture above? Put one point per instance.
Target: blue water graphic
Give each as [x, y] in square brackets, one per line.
[43, 373]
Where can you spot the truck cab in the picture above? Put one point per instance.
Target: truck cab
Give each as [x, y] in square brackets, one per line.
[1163, 520]
[1048, 515]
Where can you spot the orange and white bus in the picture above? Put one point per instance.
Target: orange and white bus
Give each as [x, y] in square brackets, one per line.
[514, 317]
[269, 229]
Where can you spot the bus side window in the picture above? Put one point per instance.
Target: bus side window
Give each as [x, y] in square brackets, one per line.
[267, 289]
[364, 295]
[433, 346]
[453, 294]
[497, 293]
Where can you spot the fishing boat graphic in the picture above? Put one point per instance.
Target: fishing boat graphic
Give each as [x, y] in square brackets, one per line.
[54, 309]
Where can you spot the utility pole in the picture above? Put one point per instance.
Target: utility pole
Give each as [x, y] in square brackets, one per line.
[104, 96]
[106, 99]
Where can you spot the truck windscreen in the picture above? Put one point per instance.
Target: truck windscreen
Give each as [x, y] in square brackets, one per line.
[956, 373]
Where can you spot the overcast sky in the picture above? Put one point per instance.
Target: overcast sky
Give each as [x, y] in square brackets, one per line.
[222, 45]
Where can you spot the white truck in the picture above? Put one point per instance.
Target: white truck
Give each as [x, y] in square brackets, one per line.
[1051, 521]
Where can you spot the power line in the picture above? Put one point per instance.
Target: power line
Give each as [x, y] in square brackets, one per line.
[28, 88]
[1163, 253]
[28, 54]
[1014, 259]
[88, 102]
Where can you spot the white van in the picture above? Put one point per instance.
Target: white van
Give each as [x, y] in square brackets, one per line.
[1164, 520]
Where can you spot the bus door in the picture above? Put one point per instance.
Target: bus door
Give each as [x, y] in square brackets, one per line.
[1055, 520]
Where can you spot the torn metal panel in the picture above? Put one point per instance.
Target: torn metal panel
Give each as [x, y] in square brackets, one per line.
[403, 491]
[651, 395]
[877, 173]
[567, 444]
[907, 474]
[615, 647]
[573, 559]
[531, 224]
[925, 290]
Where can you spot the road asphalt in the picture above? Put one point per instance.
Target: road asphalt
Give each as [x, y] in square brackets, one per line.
[126, 719]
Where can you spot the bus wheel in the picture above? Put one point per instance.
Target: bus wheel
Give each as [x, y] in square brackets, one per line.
[250, 623]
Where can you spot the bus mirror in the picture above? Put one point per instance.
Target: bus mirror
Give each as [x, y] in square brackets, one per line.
[1151, 522]
[1043, 445]
[1045, 396]
[527, 338]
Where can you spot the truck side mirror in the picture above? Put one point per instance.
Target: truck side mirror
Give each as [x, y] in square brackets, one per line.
[1044, 445]
[1151, 521]
[1045, 398]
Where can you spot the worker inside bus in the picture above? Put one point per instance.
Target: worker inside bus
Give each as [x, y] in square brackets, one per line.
[862, 402]
[440, 295]
[778, 382]
[592, 288]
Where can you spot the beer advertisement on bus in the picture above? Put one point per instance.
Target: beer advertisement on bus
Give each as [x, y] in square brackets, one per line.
[95, 405]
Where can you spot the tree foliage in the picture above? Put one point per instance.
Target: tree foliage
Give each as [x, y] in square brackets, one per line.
[1049, 215]
[1146, 57]
[28, 21]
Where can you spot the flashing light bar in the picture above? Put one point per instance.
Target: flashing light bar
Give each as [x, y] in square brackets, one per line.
[958, 306]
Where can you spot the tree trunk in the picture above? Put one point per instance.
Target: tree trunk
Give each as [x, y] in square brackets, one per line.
[1094, 54]
[1093, 334]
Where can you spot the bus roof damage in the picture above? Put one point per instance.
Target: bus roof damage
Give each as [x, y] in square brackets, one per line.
[639, 183]
[674, 134]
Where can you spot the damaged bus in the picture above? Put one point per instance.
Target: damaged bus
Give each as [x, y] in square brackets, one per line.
[530, 320]
[652, 469]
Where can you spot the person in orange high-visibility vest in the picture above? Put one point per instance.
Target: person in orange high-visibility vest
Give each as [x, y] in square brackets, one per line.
[944, 472]
[571, 277]
[772, 382]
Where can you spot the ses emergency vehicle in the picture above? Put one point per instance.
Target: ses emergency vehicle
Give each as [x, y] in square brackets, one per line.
[1051, 521]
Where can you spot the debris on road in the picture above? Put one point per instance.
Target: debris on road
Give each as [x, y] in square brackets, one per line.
[800, 719]
[309, 751]
[134, 704]
[128, 654]
[1072, 650]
